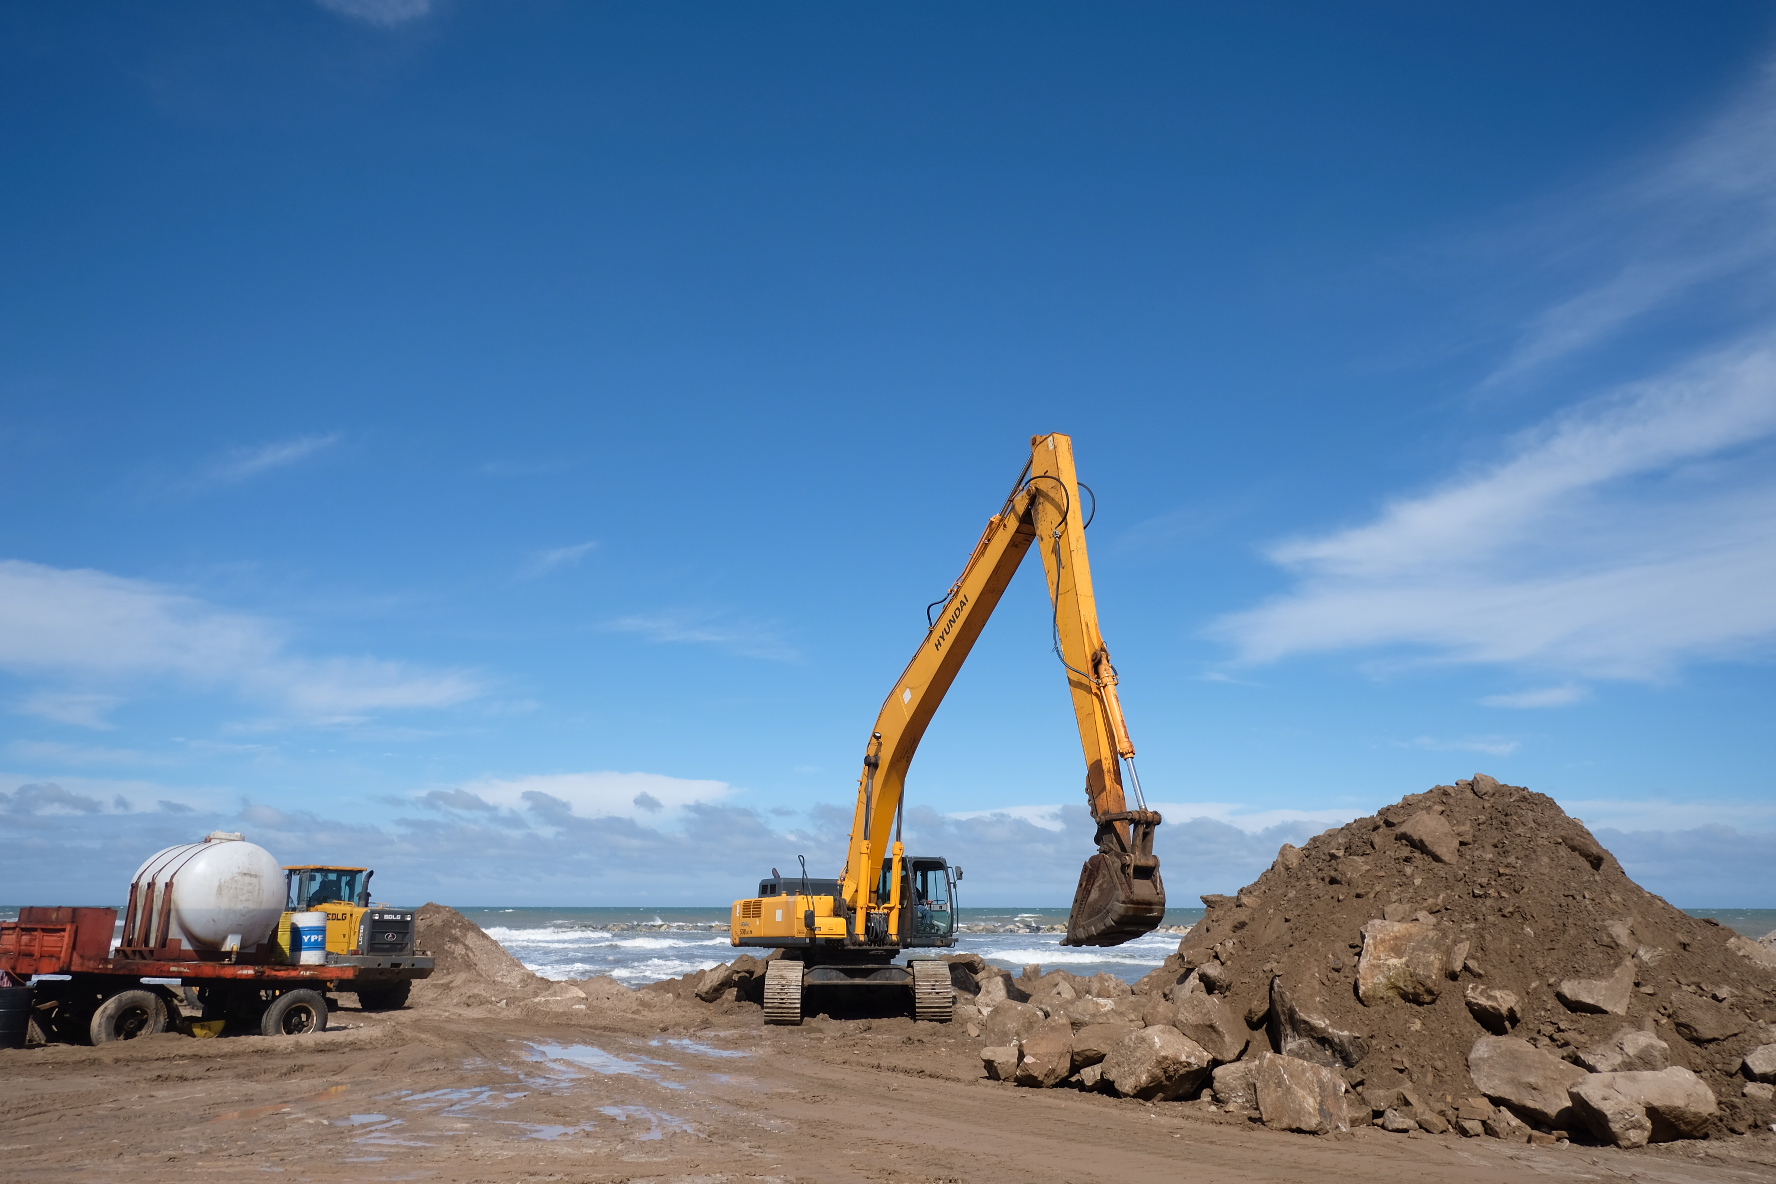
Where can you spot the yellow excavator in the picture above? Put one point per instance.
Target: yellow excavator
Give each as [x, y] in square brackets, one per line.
[849, 931]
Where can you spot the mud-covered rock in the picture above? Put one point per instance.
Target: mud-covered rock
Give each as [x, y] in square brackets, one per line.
[1630, 1050]
[1600, 996]
[1094, 1042]
[1517, 1074]
[1431, 833]
[1632, 1109]
[1705, 1021]
[1493, 1008]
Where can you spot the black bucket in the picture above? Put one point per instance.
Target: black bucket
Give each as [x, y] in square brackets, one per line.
[15, 1016]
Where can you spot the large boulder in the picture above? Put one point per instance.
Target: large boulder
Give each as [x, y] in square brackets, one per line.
[1297, 1032]
[1763, 953]
[1431, 833]
[1047, 1055]
[1087, 1009]
[1011, 1021]
[1630, 1050]
[1517, 1074]
[1493, 1008]
[1297, 1095]
[1236, 1085]
[1633, 1109]
[1159, 1063]
[1402, 959]
[1204, 1019]
[1600, 996]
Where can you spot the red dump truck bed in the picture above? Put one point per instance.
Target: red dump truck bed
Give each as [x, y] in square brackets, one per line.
[78, 941]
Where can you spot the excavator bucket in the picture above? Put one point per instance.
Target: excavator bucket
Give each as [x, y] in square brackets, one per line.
[1120, 895]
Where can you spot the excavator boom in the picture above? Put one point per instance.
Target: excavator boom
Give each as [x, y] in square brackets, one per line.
[1120, 894]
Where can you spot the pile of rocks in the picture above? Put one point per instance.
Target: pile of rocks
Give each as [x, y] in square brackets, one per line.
[1468, 960]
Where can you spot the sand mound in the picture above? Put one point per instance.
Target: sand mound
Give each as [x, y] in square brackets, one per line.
[1387, 947]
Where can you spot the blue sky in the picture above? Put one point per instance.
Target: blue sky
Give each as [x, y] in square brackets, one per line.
[514, 444]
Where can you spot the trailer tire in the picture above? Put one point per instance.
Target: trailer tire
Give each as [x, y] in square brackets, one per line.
[127, 1015]
[390, 998]
[295, 1013]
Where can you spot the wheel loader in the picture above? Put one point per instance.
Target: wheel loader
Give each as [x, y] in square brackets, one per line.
[850, 931]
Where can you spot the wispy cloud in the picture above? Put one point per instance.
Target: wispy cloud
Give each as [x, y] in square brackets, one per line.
[1634, 531]
[544, 562]
[84, 709]
[386, 13]
[241, 464]
[748, 639]
[1564, 695]
[1705, 215]
[90, 626]
[51, 752]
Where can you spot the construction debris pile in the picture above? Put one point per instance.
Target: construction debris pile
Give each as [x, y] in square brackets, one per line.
[1468, 960]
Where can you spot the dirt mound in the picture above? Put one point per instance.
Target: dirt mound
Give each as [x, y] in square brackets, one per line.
[1387, 947]
[473, 969]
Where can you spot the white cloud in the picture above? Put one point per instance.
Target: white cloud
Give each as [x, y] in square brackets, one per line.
[239, 464]
[1561, 696]
[748, 639]
[1634, 532]
[51, 752]
[83, 709]
[1242, 818]
[90, 625]
[387, 13]
[544, 562]
[652, 797]
[1617, 540]
[1706, 215]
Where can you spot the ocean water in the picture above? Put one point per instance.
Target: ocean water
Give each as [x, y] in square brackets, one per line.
[638, 946]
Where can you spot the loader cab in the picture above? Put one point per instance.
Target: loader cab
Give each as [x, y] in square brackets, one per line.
[317, 887]
[929, 895]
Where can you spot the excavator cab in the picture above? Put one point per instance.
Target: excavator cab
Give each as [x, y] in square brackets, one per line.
[926, 892]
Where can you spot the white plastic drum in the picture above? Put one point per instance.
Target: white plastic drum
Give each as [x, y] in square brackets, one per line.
[308, 938]
[227, 894]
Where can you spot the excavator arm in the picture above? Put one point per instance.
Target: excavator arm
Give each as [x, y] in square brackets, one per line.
[1120, 894]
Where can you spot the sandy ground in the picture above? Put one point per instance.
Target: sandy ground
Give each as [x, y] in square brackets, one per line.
[666, 1093]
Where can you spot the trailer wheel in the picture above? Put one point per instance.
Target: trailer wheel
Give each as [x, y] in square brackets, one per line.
[295, 1013]
[127, 1015]
[390, 998]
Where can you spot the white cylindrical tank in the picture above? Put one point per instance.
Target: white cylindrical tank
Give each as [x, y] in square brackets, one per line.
[221, 894]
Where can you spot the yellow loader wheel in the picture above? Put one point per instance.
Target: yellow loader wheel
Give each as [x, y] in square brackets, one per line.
[934, 996]
[783, 992]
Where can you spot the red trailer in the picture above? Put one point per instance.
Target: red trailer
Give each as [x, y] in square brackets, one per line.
[86, 991]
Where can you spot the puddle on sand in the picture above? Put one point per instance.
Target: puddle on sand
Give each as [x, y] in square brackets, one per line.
[360, 1119]
[693, 1046]
[587, 1056]
[456, 1103]
[659, 1125]
[537, 1130]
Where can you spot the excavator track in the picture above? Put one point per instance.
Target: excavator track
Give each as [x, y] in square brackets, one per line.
[783, 992]
[934, 996]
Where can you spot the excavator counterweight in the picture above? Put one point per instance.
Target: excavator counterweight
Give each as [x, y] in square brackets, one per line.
[848, 931]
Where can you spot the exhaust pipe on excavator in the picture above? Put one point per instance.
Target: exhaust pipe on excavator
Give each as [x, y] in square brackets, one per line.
[1120, 895]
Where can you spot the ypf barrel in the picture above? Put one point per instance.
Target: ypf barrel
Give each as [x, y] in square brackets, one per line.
[15, 1016]
[308, 938]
